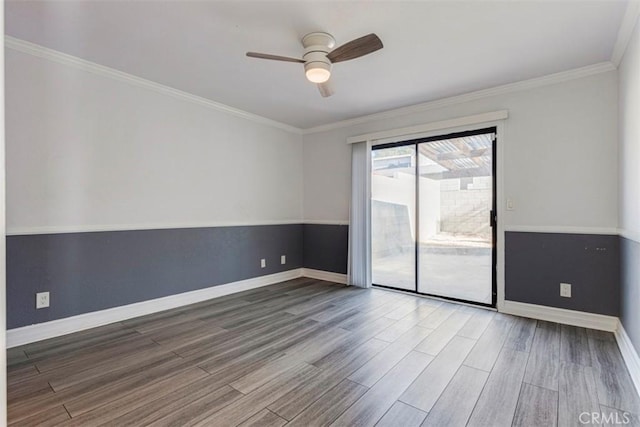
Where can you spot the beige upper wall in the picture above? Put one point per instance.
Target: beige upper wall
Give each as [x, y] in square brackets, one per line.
[629, 121]
[560, 155]
[86, 151]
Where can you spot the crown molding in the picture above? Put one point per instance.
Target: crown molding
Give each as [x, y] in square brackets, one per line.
[88, 66]
[111, 73]
[629, 21]
[550, 79]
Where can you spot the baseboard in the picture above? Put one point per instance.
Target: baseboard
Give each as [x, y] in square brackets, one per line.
[560, 315]
[325, 275]
[629, 354]
[55, 328]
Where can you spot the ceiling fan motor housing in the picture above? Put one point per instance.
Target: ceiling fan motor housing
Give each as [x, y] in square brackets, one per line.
[319, 55]
[316, 48]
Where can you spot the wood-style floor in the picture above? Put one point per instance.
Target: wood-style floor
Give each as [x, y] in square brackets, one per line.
[311, 353]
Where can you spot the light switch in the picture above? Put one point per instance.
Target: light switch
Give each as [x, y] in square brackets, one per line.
[510, 204]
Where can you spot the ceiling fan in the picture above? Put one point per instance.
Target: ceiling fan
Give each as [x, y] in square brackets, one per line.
[318, 56]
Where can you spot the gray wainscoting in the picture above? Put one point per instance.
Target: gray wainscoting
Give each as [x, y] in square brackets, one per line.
[630, 289]
[85, 272]
[93, 271]
[536, 264]
[326, 246]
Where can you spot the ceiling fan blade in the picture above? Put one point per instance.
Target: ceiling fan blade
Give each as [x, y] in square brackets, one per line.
[356, 48]
[326, 89]
[274, 57]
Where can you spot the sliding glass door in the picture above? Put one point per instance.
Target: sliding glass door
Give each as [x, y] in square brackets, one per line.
[432, 216]
[393, 217]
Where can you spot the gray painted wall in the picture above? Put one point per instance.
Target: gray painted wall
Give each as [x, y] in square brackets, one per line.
[630, 289]
[93, 271]
[86, 272]
[536, 263]
[326, 246]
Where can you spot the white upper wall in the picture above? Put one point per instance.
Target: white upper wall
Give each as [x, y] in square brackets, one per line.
[88, 152]
[560, 154]
[629, 81]
[85, 151]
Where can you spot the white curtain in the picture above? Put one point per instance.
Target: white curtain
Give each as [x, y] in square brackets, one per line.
[359, 267]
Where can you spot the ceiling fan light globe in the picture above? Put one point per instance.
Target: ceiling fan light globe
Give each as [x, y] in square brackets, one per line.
[317, 71]
[318, 75]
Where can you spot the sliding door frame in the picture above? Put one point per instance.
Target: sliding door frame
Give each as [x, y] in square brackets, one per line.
[492, 129]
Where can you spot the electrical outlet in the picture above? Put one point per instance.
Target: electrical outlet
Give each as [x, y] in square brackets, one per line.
[42, 300]
[263, 263]
[283, 259]
[565, 290]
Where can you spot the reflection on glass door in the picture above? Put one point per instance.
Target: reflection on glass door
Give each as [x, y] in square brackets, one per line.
[393, 213]
[432, 222]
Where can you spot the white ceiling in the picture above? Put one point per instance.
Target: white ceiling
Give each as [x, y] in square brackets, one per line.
[432, 49]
